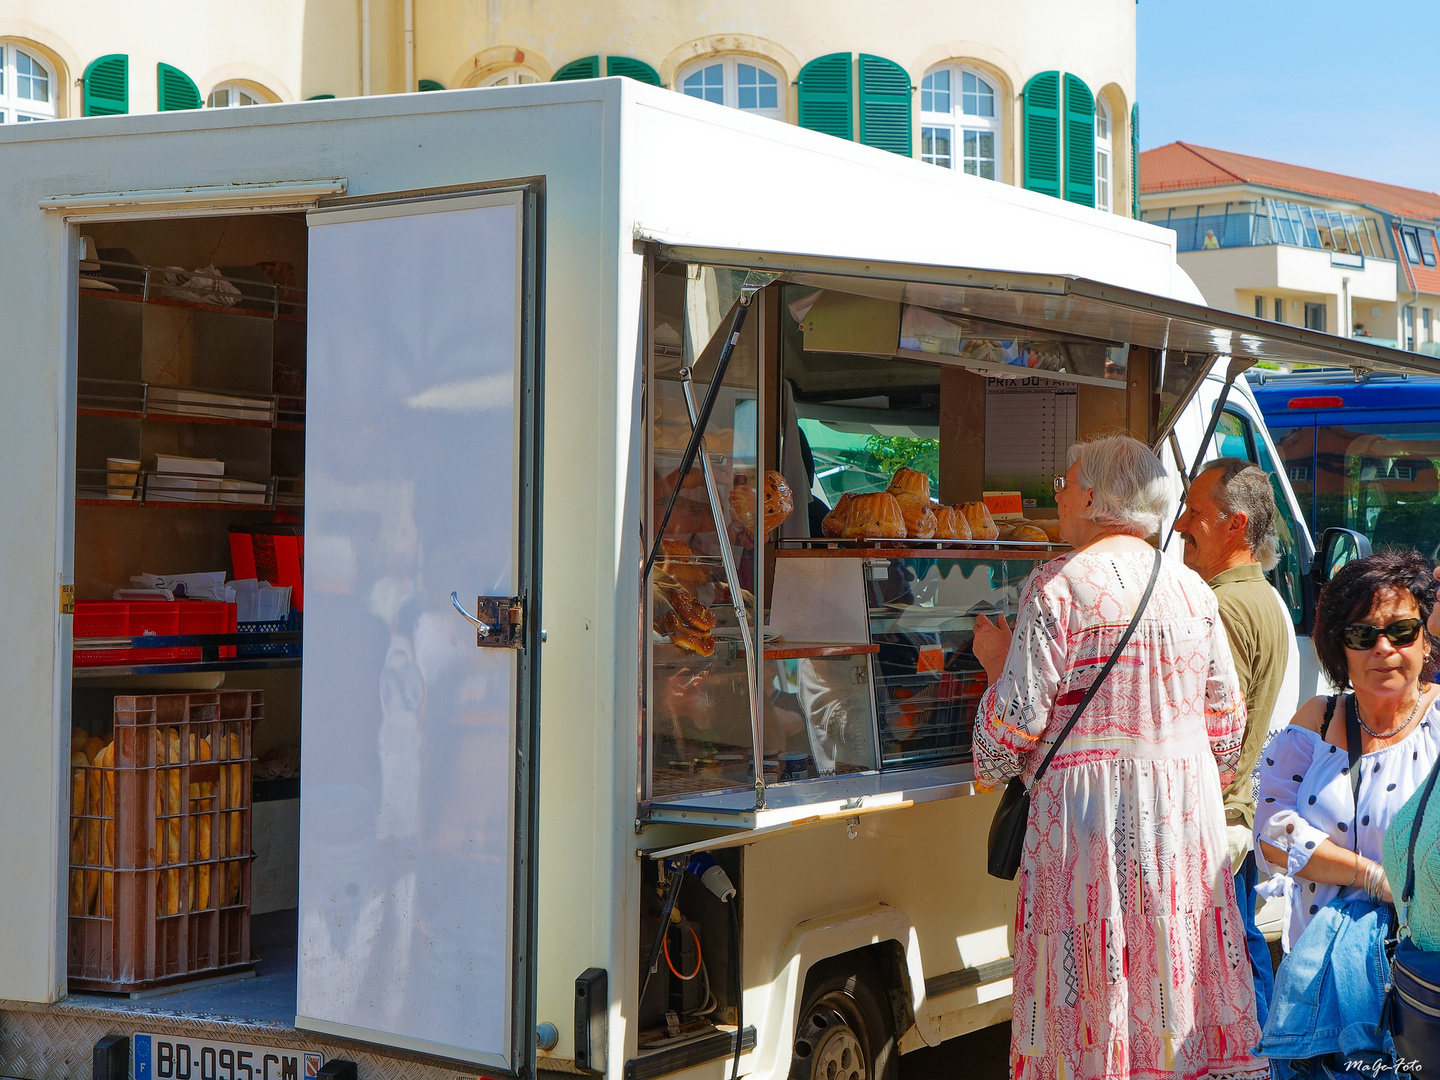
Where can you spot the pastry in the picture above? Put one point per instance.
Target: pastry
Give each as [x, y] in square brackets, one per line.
[874, 516]
[910, 485]
[778, 502]
[1052, 529]
[919, 521]
[982, 525]
[834, 522]
[691, 611]
[677, 560]
[702, 643]
[950, 525]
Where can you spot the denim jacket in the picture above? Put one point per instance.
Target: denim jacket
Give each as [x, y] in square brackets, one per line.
[1330, 990]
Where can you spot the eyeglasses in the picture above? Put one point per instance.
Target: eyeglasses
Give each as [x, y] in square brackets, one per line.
[1059, 482]
[1362, 636]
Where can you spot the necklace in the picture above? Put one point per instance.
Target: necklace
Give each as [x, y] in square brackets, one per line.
[1393, 731]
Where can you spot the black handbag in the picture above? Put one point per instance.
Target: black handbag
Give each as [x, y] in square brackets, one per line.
[1412, 1006]
[1012, 817]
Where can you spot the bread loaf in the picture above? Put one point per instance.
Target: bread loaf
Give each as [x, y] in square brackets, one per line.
[977, 516]
[950, 525]
[778, 503]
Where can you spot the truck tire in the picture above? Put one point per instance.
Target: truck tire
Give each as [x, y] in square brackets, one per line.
[846, 1027]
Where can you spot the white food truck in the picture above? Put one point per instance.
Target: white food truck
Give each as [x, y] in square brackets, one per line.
[533, 790]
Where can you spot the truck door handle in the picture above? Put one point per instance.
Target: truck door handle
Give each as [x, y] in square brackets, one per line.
[483, 627]
[499, 621]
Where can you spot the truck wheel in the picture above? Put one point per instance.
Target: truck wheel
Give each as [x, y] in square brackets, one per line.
[845, 1031]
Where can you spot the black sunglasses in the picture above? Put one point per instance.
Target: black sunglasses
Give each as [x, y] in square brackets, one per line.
[1362, 636]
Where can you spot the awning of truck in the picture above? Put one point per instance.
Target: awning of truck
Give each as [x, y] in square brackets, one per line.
[1084, 308]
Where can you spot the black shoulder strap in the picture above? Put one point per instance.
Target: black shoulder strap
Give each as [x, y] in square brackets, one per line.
[1409, 890]
[1352, 749]
[1094, 686]
[1329, 713]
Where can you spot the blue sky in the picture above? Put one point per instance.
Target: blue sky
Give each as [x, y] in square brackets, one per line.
[1344, 86]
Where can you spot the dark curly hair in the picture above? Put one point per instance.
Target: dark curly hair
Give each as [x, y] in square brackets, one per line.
[1352, 592]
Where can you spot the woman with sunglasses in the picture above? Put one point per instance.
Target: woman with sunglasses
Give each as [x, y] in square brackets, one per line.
[1370, 639]
[1324, 807]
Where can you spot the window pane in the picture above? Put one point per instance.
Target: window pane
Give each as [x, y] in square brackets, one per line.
[935, 147]
[758, 89]
[1412, 245]
[977, 99]
[1288, 572]
[980, 153]
[1379, 479]
[31, 82]
[935, 92]
[1102, 122]
[708, 84]
[219, 99]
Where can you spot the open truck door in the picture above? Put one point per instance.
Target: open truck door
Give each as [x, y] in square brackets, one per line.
[416, 921]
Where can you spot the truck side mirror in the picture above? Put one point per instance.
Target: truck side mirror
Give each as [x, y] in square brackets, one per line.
[1337, 547]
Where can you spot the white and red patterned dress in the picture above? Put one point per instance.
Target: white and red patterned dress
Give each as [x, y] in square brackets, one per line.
[1130, 956]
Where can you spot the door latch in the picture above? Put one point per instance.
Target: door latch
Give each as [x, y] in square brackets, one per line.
[67, 599]
[499, 621]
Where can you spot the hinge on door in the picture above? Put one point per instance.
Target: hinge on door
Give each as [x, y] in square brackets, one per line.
[67, 599]
[504, 619]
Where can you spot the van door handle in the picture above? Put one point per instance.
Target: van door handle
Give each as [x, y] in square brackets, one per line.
[499, 621]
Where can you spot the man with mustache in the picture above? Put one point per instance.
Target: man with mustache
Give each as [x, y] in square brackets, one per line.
[1228, 529]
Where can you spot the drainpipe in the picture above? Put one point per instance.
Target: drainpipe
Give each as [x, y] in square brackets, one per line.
[1345, 306]
[409, 45]
[365, 47]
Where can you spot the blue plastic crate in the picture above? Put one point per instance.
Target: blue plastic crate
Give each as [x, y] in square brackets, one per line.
[262, 649]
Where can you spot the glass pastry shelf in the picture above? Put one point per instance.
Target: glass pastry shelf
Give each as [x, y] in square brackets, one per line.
[916, 549]
[127, 399]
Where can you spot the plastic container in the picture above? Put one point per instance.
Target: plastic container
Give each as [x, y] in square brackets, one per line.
[283, 648]
[142, 618]
[160, 844]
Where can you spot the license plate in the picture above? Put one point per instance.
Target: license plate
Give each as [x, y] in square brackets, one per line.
[165, 1057]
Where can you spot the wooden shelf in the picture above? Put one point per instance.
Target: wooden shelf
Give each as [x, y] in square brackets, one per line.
[195, 305]
[183, 418]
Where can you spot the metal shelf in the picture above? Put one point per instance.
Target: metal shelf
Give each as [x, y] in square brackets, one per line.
[133, 283]
[126, 399]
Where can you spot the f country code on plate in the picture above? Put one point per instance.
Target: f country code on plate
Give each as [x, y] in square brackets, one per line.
[164, 1057]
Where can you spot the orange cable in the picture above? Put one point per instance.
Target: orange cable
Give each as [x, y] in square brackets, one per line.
[671, 965]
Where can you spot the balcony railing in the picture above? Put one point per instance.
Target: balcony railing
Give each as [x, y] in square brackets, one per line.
[1270, 221]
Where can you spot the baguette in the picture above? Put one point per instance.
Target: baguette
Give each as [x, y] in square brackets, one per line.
[78, 763]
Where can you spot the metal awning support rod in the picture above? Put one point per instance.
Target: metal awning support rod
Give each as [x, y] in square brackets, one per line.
[700, 422]
[1238, 366]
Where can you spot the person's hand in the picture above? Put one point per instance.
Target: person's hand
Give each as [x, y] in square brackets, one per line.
[992, 642]
[1239, 839]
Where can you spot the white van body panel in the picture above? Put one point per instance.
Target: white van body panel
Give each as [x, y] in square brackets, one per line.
[617, 159]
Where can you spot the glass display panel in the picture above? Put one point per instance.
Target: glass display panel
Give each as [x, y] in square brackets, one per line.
[699, 732]
[927, 680]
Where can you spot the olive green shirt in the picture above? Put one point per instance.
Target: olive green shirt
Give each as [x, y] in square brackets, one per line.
[1255, 625]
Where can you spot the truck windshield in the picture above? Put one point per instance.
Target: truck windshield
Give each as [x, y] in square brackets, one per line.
[1378, 479]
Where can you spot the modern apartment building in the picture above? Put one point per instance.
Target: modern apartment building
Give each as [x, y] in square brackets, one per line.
[1335, 253]
[1040, 95]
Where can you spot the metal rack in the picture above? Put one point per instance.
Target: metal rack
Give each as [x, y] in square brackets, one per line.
[138, 283]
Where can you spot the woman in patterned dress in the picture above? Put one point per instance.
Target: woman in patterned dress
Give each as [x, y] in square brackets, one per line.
[1130, 955]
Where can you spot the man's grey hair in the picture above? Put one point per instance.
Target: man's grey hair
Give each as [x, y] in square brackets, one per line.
[1131, 491]
[1244, 488]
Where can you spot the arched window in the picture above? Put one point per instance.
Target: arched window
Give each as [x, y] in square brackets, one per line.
[232, 95]
[960, 121]
[27, 86]
[740, 82]
[511, 76]
[1104, 154]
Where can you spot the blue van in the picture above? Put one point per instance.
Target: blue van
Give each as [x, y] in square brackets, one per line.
[1360, 454]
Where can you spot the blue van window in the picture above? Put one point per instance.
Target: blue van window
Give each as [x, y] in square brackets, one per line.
[1381, 480]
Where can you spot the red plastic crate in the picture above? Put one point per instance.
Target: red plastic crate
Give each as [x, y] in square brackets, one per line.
[161, 618]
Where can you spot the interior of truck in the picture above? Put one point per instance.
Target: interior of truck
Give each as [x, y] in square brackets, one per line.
[189, 485]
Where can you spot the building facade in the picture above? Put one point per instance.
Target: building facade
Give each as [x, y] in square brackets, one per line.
[1040, 95]
[1302, 246]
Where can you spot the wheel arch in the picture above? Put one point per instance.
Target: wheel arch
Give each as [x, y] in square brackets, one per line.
[880, 932]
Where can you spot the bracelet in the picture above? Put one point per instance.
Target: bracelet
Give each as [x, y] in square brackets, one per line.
[1374, 880]
[1356, 874]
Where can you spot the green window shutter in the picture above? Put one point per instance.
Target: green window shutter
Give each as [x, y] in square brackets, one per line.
[1041, 98]
[1135, 161]
[1079, 142]
[884, 105]
[587, 67]
[107, 86]
[427, 85]
[321, 97]
[177, 90]
[632, 69]
[825, 96]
